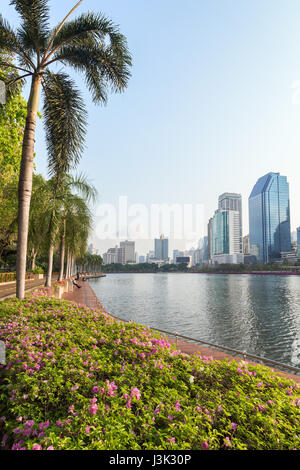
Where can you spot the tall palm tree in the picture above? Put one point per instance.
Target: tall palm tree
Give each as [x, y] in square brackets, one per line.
[90, 44]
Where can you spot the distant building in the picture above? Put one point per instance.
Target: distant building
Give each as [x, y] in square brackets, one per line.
[111, 256]
[176, 253]
[269, 218]
[233, 202]
[142, 259]
[161, 248]
[150, 256]
[209, 240]
[127, 252]
[298, 242]
[121, 255]
[184, 259]
[226, 237]
[289, 256]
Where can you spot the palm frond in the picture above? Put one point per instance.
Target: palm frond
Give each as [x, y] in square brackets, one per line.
[10, 43]
[34, 30]
[104, 71]
[65, 122]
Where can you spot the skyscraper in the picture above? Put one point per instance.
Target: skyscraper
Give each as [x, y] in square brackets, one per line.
[298, 242]
[233, 202]
[161, 248]
[226, 237]
[269, 217]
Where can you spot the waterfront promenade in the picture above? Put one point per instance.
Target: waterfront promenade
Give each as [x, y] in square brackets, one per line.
[86, 296]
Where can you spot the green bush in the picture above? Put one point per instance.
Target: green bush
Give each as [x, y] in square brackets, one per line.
[38, 270]
[77, 379]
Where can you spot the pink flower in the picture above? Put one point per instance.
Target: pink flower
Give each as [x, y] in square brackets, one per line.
[37, 447]
[177, 406]
[95, 390]
[50, 448]
[171, 440]
[234, 426]
[93, 409]
[204, 445]
[227, 442]
[135, 393]
[87, 429]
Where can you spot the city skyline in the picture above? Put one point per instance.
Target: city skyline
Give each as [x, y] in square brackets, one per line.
[230, 202]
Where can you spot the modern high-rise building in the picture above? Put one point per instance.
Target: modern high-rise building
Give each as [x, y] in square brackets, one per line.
[127, 249]
[269, 218]
[298, 242]
[226, 237]
[233, 202]
[161, 248]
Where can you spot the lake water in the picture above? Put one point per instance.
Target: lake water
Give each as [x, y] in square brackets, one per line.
[259, 314]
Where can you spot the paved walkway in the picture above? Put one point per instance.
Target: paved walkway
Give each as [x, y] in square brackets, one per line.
[9, 289]
[86, 296]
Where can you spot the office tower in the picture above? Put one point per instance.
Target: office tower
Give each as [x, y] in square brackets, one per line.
[233, 202]
[161, 248]
[127, 252]
[226, 237]
[298, 242]
[269, 217]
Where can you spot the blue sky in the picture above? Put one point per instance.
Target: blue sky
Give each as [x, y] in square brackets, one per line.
[209, 108]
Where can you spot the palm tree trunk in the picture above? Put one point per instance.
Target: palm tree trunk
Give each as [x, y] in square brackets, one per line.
[50, 266]
[62, 253]
[33, 254]
[25, 184]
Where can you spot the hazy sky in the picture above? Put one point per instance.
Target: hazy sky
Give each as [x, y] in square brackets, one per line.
[212, 105]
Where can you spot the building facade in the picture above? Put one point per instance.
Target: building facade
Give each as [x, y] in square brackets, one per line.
[269, 218]
[298, 242]
[127, 252]
[161, 248]
[233, 202]
[226, 237]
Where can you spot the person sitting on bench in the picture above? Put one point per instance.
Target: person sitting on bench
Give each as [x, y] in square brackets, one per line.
[75, 284]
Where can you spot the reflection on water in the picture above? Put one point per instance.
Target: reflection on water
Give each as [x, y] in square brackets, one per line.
[259, 314]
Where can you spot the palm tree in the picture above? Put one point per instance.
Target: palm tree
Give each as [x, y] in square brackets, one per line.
[90, 44]
[64, 204]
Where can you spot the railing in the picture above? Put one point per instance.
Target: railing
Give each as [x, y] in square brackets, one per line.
[244, 354]
[10, 277]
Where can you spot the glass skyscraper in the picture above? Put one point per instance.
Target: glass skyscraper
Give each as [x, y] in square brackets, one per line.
[269, 217]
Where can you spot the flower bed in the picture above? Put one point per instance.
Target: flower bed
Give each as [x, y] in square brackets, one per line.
[77, 379]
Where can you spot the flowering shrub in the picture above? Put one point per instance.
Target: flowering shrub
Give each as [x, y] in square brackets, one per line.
[77, 379]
